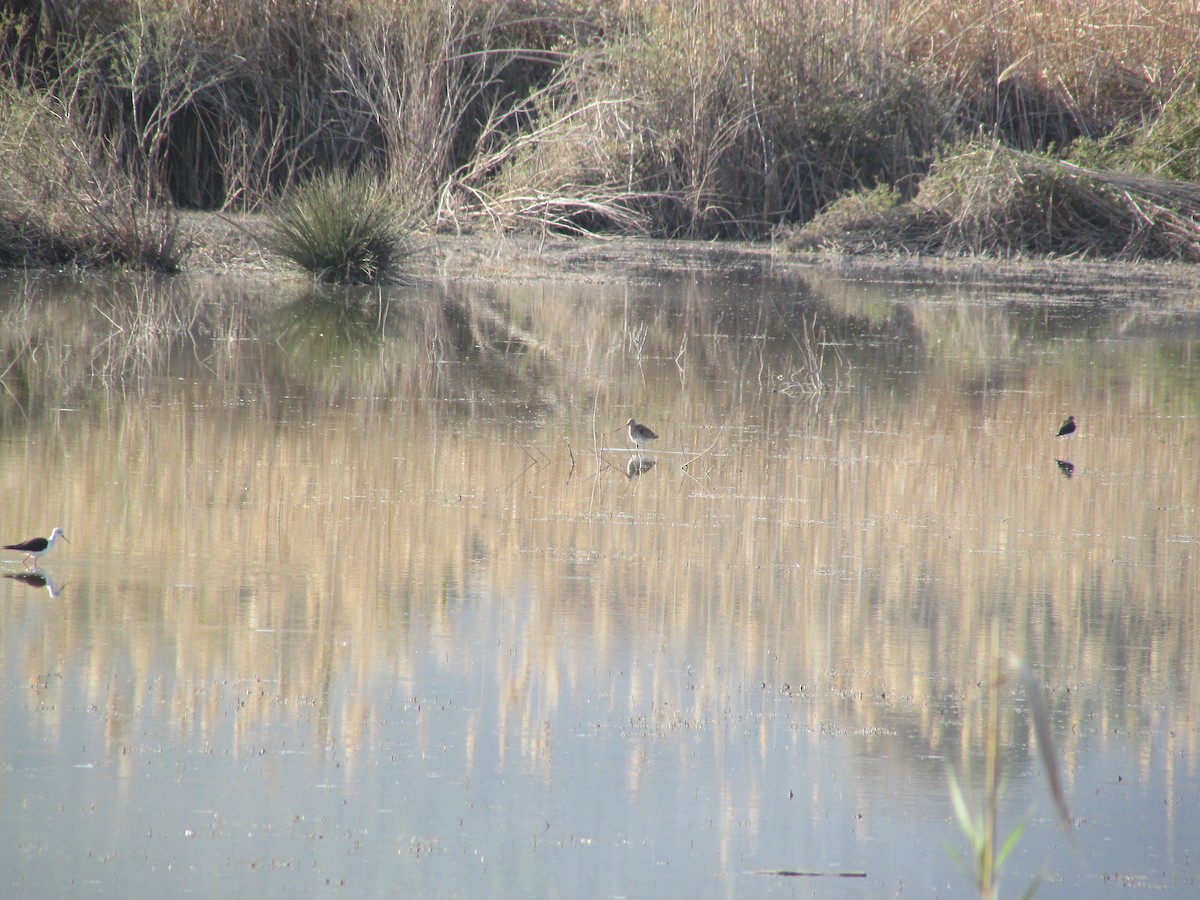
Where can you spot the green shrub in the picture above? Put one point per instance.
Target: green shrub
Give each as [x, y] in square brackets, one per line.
[343, 228]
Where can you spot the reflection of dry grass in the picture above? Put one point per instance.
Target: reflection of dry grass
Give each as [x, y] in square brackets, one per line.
[310, 503]
[809, 380]
[148, 323]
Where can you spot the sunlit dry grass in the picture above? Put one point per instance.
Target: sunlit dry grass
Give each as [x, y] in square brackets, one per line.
[697, 119]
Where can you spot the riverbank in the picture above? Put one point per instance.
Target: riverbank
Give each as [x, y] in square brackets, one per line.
[237, 245]
[980, 128]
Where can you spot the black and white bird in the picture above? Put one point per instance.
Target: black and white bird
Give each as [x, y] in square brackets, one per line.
[37, 547]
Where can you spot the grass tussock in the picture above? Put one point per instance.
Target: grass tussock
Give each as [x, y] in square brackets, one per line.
[704, 119]
[982, 198]
[342, 228]
[859, 222]
[989, 199]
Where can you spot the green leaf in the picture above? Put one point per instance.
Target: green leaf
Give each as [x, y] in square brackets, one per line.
[1009, 843]
[968, 825]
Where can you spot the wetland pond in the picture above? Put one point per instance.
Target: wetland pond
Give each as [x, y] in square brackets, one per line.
[367, 595]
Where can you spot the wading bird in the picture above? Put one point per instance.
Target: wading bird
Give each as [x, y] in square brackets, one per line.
[640, 434]
[35, 547]
[1067, 428]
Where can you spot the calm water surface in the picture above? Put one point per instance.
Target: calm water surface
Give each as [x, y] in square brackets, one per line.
[366, 594]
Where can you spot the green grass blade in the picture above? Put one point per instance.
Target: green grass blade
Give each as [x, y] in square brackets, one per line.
[968, 825]
[1009, 843]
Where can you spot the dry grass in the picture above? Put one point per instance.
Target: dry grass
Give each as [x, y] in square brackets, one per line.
[859, 222]
[719, 120]
[1002, 201]
[702, 119]
[544, 165]
[985, 199]
[66, 195]
[1044, 70]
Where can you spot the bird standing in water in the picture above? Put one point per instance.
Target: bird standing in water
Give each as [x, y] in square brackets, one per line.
[35, 547]
[640, 434]
[1067, 428]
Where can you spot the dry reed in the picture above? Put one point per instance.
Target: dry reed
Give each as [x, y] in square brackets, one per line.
[704, 119]
[986, 199]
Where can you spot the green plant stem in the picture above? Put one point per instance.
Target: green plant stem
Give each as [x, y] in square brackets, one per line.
[987, 873]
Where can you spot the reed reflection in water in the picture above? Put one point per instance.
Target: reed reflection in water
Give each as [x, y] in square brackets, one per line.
[368, 591]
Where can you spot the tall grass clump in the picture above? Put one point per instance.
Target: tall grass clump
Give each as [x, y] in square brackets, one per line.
[403, 88]
[546, 163]
[342, 228]
[762, 111]
[1038, 73]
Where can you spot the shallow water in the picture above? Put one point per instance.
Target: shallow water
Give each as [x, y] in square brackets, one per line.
[367, 595]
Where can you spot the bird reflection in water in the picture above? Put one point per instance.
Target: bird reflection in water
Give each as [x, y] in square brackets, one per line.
[36, 578]
[1066, 467]
[638, 465]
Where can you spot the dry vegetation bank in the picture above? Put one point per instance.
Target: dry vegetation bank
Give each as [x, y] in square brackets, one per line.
[949, 126]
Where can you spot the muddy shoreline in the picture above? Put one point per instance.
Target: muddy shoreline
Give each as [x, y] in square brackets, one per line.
[224, 244]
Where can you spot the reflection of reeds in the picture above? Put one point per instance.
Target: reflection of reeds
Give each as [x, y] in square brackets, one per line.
[811, 538]
[810, 379]
[149, 321]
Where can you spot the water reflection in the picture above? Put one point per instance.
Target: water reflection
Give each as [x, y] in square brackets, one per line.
[1066, 467]
[366, 570]
[638, 465]
[37, 579]
[323, 325]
